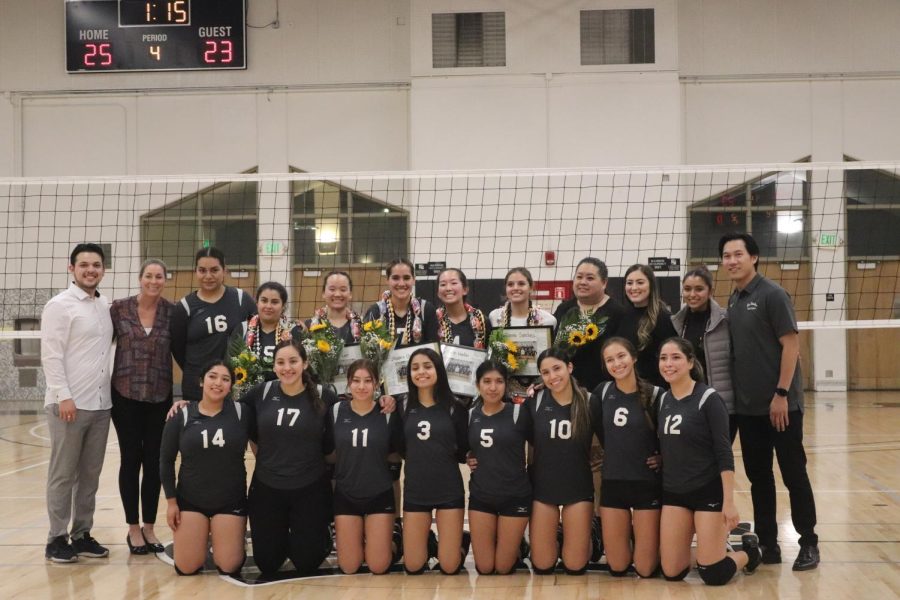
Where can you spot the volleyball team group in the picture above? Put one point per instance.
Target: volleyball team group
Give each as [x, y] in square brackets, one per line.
[622, 446]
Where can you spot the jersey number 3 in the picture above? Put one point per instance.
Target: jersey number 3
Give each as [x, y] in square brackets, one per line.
[672, 427]
[217, 440]
[424, 430]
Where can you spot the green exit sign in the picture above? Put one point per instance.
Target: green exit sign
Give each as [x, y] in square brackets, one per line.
[828, 239]
[272, 248]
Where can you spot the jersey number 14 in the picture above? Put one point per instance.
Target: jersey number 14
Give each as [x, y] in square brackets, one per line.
[217, 440]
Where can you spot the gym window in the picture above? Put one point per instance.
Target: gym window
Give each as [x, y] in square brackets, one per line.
[618, 37]
[471, 39]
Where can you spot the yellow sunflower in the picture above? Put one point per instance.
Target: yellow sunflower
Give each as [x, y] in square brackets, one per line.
[323, 346]
[591, 332]
[317, 327]
[513, 363]
[511, 346]
[576, 338]
[385, 344]
[240, 375]
[367, 326]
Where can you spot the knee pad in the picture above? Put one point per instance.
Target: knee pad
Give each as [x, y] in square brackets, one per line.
[655, 573]
[480, 572]
[234, 573]
[580, 571]
[718, 573]
[418, 571]
[455, 572]
[394, 469]
[615, 573]
[548, 571]
[183, 574]
[678, 577]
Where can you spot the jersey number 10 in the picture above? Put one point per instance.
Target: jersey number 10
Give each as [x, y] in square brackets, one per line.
[563, 431]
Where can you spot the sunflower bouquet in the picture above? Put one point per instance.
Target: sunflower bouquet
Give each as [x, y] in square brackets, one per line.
[247, 368]
[323, 348]
[376, 341]
[504, 350]
[583, 330]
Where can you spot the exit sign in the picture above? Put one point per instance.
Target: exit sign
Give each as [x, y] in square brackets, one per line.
[828, 239]
[272, 248]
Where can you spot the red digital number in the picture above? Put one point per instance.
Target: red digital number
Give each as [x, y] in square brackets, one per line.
[220, 51]
[97, 55]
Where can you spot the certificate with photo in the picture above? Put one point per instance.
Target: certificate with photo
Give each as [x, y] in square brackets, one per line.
[531, 342]
[350, 353]
[461, 363]
[394, 370]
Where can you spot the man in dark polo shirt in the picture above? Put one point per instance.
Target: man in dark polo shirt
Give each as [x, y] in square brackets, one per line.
[765, 346]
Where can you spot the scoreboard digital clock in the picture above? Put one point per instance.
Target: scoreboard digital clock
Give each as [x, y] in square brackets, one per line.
[155, 35]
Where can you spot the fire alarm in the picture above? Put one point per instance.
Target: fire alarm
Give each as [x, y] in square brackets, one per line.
[549, 258]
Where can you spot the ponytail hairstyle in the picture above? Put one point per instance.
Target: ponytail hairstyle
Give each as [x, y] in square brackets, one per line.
[462, 279]
[687, 349]
[342, 274]
[703, 273]
[275, 287]
[311, 388]
[493, 366]
[443, 395]
[581, 415]
[655, 307]
[209, 252]
[645, 389]
[216, 362]
[396, 262]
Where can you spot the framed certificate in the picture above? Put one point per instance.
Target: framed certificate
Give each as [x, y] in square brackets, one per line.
[394, 370]
[531, 342]
[461, 363]
[350, 353]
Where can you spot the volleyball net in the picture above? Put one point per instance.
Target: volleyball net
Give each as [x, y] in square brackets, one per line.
[828, 233]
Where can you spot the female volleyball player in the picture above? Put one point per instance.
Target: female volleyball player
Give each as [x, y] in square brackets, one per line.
[434, 433]
[704, 323]
[202, 322]
[519, 311]
[411, 320]
[459, 322]
[623, 412]
[210, 496]
[290, 499]
[337, 292]
[499, 490]
[646, 322]
[364, 440]
[698, 474]
[561, 468]
[263, 331]
[142, 394]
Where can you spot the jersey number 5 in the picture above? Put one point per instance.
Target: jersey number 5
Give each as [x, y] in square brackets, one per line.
[218, 438]
[672, 428]
[219, 322]
[424, 430]
[486, 440]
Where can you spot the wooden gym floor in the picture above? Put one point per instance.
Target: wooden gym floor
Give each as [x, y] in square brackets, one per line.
[853, 443]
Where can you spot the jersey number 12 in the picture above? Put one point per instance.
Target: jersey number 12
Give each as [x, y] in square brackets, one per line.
[672, 428]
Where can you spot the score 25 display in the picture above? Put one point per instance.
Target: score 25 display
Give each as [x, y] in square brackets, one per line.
[155, 35]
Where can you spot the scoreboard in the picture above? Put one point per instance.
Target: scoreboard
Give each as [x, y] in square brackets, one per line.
[155, 35]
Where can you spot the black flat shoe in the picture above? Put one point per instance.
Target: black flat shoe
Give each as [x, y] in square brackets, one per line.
[154, 547]
[141, 550]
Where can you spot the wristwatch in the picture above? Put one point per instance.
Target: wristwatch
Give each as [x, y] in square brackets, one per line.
[781, 392]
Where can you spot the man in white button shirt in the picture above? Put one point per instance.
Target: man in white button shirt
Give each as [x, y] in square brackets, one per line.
[76, 338]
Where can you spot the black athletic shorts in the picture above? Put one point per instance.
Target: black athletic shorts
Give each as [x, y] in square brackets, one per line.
[236, 509]
[502, 507]
[707, 498]
[379, 504]
[637, 495]
[413, 507]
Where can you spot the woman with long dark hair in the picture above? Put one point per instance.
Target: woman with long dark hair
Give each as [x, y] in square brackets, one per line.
[499, 489]
[203, 321]
[698, 474]
[434, 433]
[519, 310]
[624, 414]
[459, 322]
[563, 485]
[646, 322]
[269, 326]
[209, 499]
[411, 320]
[142, 394]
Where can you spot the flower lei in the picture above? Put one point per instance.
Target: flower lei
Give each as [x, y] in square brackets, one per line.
[476, 322]
[534, 317]
[321, 316]
[413, 317]
[254, 333]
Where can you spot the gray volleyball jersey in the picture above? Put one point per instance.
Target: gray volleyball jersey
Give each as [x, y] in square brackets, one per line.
[627, 436]
[435, 443]
[561, 466]
[498, 442]
[694, 439]
[362, 444]
[290, 436]
[212, 472]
